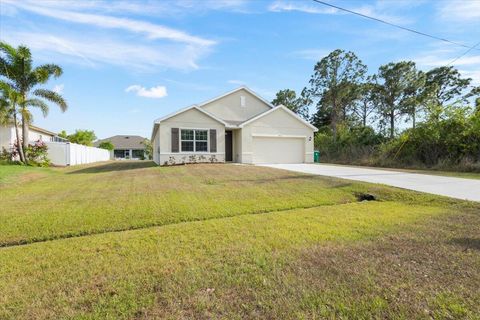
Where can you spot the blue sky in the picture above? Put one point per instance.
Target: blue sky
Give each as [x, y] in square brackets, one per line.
[128, 63]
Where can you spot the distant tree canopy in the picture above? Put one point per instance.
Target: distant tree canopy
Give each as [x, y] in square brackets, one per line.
[289, 99]
[107, 145]
[355, 111]
[148, 148]
[84, 137]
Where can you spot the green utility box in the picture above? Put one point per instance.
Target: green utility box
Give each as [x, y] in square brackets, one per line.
[316, 156]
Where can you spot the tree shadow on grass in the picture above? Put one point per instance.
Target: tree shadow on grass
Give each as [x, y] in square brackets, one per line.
[467, 243]
[115, 166]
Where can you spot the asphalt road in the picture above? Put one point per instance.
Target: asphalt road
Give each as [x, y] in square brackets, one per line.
[465, 189]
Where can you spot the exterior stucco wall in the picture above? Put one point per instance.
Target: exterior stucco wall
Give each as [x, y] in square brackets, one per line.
[7, 137]
[229, 107]
[237, 145]
[34, 135]
[190, 119]
[276, 124]
[156, 147]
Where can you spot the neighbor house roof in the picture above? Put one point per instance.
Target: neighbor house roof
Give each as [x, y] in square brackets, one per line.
[124, 142]
[41, 130]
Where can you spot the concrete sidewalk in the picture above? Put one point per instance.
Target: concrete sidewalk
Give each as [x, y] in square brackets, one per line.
[465, 189]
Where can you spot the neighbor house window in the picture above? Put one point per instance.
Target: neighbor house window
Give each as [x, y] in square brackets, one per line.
[194, 140]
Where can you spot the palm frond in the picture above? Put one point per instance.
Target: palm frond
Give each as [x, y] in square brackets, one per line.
[9, 51]
[52, 97]
[38, 103]
[44, 72]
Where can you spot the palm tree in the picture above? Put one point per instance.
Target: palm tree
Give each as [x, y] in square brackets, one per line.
[9, 101]
[22, 77]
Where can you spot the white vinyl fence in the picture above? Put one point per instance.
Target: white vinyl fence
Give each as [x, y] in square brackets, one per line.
[70, 154]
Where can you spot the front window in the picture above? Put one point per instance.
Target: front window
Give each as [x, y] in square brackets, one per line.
[194, 140]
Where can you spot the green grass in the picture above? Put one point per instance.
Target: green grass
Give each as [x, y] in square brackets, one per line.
[232, 242]
[9, 173]
[128, 195]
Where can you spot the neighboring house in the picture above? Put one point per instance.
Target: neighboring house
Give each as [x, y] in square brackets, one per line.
[126, 147]
[8, 136]
[60, 151]
[238, 126]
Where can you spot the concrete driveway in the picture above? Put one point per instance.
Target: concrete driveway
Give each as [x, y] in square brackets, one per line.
[465, 189]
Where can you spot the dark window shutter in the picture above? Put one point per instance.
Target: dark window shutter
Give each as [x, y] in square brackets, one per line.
[213, 140]
[175, 140]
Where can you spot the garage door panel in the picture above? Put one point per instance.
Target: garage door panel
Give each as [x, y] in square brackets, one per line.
[278, 150]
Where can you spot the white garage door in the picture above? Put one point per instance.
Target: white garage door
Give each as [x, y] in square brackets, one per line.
[278, 150]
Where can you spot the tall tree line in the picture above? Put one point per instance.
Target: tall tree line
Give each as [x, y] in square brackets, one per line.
[341, 92]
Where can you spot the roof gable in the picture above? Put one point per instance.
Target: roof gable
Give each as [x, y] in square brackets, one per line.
[187, 109]
[237, 106]
[245, 88]
[157, 122]
[280, 107]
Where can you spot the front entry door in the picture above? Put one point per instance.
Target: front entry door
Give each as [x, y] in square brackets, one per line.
[228, 146]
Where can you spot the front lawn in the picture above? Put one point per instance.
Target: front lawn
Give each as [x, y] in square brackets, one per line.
[130, 195]
[233, 242]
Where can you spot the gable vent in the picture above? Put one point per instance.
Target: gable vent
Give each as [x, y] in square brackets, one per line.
[242, 101]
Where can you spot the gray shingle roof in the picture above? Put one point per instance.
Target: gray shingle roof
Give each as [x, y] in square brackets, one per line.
[124, 142]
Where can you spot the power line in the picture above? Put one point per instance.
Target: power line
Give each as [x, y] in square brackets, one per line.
[396, 26]
[463, 54]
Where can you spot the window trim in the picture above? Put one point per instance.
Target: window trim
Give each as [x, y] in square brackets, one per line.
[194, 141]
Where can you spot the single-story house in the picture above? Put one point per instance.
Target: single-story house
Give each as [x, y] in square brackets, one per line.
[238, 126]
[60, 151]
[125, 147]
[8, 136]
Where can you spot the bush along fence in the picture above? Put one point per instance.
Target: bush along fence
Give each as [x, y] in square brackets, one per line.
[43, 154]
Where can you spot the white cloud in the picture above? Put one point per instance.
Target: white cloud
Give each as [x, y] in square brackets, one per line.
[432, 60]
[460, 11]
[377, 10]
[153, 92]
[58, 88]
[152, 31]
[279, 6]
[154, 47]
[468, 66]
[74, 49]
[144, 8]
[311, 54]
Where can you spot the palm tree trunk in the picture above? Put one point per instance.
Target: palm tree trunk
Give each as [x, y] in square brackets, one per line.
[24, 132]
[19, 143]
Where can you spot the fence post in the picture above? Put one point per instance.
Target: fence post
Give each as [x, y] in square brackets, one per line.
[67, 154]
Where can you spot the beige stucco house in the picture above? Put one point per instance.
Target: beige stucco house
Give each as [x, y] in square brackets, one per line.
[125, 147]
[8, 135]
[238, 126]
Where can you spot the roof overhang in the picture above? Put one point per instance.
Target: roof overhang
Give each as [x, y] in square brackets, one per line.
[157, 122]
[280, 107]
[41, 130]
[235, 90]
